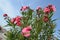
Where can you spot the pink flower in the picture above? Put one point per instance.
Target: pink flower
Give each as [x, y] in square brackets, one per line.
[52, 8]
[28, 28]
[45, 19]
[26, 31]
[18, 23]
[13, 20]
[24, 8]
[16, 20]
[5, 15]
[47, 10]
[38, 8]
[26, 34]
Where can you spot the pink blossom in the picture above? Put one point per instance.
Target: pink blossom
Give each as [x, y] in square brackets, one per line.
[5, 15]
[18, 17]
[26, 31]
[13, 20]
[16, 20]
[45, 19]
[18, 23]
[47, 10]
[38, 8]
[24, 8]
[52, 8]
[28, 28]
[27, 34]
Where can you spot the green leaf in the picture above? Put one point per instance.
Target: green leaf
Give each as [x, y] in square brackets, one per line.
[54, 20]
[50, 15]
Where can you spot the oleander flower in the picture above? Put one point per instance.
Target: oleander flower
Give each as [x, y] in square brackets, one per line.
[18, 23]
[12, 20]
[45, 19]
[52, 8]
[4, 15]
[46, 10]
[26, 31]
[16, 20]
[24, 8]
[38, 8]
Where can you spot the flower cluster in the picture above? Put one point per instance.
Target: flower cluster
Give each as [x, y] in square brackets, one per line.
[24, 8]
[16, 21]
[49, 8]
[32, 22]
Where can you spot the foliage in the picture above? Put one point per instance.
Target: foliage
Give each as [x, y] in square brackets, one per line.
[32, 25]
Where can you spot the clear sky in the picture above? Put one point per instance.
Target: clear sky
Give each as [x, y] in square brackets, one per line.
[11, 7]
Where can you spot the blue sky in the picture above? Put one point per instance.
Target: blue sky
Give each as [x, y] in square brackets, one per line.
[11, 7]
